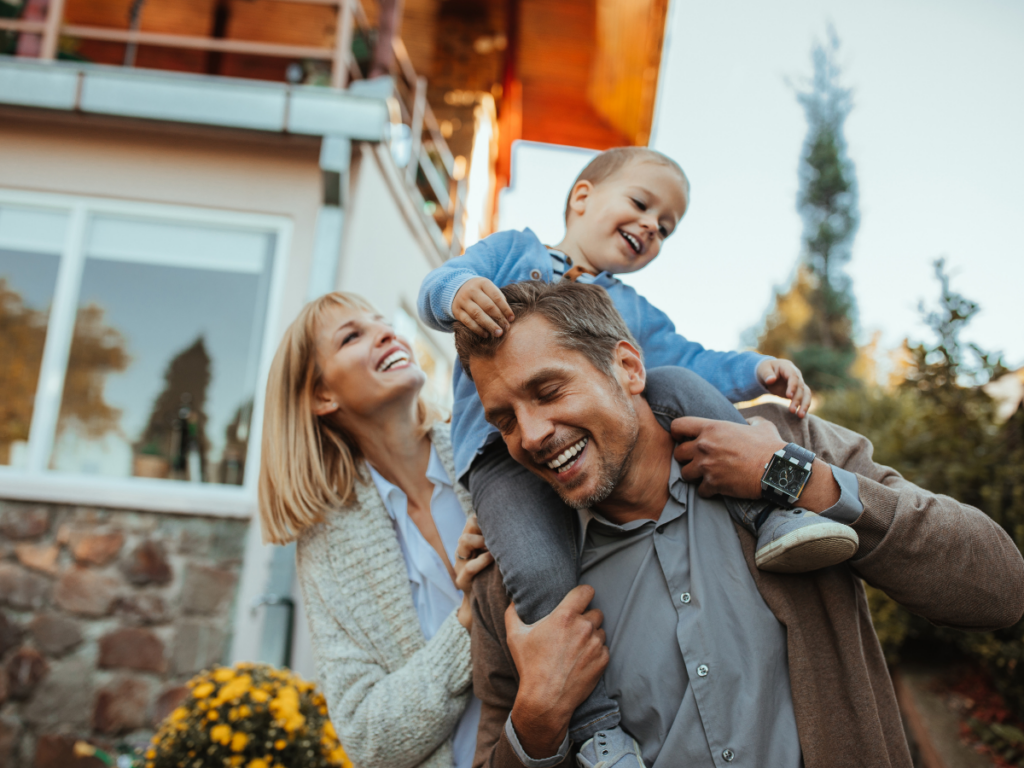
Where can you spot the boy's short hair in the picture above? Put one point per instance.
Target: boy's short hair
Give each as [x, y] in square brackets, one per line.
[582, 315]
[612, 160]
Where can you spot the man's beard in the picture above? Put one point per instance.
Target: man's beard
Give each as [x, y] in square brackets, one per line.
[610, 473]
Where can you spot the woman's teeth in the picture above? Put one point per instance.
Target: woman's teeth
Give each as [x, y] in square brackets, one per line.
[633, 242]
[392, 360]
[566, 458]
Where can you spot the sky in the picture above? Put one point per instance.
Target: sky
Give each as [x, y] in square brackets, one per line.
[936, 135]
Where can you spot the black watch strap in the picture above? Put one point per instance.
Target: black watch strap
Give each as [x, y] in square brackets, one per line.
[791, 452]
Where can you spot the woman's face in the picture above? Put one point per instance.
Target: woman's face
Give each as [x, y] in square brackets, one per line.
[364, 365]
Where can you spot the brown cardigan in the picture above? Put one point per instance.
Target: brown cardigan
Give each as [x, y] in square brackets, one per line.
[941, 559]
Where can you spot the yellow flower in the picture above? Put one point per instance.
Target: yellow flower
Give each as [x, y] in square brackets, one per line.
[223, 674]
[238, 742]
[244, 711]
[236, 761]
[203, 690]
[213, 715]
[258, 762]
[234, 689]
[280, 744]
[178, 714]
[329, 730]
[150, 754]
[259, 696]
[221, 734]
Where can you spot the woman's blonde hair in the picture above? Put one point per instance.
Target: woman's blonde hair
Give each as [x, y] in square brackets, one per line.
[308, 465]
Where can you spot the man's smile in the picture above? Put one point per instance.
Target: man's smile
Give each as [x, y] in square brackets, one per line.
[566, 466]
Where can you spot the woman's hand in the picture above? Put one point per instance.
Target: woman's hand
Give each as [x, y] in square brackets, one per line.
[471, 557]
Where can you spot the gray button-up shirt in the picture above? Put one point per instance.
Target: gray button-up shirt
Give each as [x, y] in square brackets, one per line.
[705, 682]
[698, 661]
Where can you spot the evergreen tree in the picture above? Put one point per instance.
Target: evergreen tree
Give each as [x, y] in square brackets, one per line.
[812, 322]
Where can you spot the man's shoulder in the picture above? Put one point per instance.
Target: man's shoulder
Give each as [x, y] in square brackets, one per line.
[832, 443]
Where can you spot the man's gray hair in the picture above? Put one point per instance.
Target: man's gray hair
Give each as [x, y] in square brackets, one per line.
[582, 315]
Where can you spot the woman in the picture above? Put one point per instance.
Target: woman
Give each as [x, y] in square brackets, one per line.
[357, 467]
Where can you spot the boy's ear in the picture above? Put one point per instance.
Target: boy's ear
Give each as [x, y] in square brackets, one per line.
[578, 197]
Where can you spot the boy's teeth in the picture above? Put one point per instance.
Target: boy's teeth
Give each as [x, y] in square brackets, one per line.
[566, 455]
[632, 241]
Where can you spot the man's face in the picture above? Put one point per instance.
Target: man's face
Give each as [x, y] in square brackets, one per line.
[561, 417]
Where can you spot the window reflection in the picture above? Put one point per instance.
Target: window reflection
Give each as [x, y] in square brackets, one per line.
[30, 246]
[165, 353]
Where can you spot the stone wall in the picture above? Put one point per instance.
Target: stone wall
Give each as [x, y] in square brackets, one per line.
[104, 614]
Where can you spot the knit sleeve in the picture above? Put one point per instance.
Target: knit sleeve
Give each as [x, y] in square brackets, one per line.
[383, 720]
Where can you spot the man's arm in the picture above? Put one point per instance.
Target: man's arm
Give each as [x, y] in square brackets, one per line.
[943, 560]
[531, 678]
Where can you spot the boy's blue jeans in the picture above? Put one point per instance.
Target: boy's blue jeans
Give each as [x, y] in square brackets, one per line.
[532, 533]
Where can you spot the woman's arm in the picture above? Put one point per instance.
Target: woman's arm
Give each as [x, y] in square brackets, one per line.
[383, 720]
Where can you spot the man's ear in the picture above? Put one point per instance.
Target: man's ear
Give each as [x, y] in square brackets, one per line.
[323, 401]
[632, 373]
[579, 196]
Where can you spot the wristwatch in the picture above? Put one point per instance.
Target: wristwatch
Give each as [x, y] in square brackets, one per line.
[786, 475]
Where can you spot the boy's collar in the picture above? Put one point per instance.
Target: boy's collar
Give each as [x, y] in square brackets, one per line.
[575, 270]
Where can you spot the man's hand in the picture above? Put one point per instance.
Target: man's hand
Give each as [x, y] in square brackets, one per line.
[783, 379]
[724, 457]
[480, 306]
[559, 659]
[728, 459]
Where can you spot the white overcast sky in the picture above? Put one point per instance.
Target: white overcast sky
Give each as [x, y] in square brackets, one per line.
[936, 133]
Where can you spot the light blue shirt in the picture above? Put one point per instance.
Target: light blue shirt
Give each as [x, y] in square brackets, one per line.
[433, 593]
[511, 257]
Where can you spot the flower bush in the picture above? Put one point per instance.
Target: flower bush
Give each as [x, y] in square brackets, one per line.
[248, 716]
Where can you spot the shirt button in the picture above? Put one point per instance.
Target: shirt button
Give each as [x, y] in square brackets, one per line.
[702, 670]
[685, 597]
[728, 755]
[535, 274]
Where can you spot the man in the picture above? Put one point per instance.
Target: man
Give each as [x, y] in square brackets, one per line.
[713, 662]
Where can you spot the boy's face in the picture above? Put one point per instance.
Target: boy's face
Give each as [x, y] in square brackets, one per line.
[620, 224]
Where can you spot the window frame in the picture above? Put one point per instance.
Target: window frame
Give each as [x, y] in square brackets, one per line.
[36, 482]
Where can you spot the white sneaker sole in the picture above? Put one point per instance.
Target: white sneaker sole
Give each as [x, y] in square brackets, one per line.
[808, 549]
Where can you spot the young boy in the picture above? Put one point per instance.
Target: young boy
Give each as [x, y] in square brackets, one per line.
[621, 208]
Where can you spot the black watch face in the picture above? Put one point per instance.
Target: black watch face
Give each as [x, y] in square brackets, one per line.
[785, 476]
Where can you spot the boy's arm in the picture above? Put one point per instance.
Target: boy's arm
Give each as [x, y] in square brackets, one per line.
[734, 374]
[490, 258]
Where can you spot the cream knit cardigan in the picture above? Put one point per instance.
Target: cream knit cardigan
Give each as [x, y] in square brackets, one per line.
[393, 697]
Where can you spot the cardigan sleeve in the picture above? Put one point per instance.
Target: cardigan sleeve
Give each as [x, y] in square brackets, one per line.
[383, 720]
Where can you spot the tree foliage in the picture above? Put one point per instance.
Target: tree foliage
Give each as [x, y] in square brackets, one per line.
[941, 431]
[812, 322]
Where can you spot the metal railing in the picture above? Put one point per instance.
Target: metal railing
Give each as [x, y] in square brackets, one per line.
[434, 178]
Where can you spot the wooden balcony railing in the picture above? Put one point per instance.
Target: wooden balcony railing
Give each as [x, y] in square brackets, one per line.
[433, 177]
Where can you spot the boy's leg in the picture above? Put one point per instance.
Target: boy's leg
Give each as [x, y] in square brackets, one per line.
[789, 540]
[531, 534]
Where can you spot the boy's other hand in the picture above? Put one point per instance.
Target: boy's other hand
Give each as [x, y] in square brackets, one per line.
[480, 306]
[783, 379]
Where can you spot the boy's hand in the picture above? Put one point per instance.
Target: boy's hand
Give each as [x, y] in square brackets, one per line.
[482, 308]
[782, 378]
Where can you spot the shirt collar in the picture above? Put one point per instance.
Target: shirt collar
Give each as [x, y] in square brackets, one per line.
[436, 473]
[675, 507]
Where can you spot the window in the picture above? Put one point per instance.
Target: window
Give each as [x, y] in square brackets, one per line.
[132, 339]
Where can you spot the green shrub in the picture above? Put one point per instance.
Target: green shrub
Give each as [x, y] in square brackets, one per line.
[939, 429]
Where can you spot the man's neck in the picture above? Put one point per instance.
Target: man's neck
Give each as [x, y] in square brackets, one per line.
[642, 491]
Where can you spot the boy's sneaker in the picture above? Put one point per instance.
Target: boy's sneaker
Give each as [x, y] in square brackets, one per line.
[797, 541]
[610, 747]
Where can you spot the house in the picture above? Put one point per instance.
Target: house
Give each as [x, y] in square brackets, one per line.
[176, 181]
